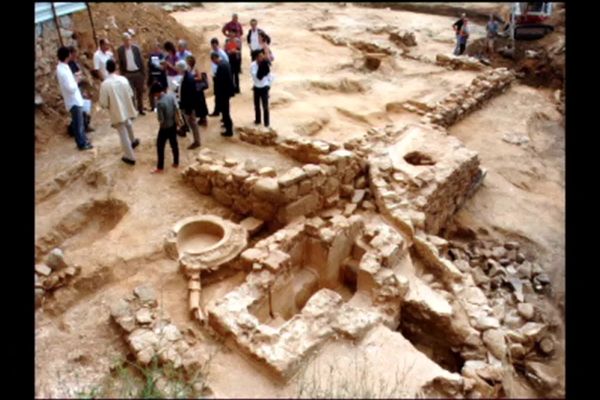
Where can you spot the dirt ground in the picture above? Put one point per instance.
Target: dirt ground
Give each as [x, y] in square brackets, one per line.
[119, 214]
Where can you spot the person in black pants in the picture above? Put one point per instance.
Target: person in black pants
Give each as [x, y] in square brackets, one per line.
[224, 90]
[261, 78]
[166, 107]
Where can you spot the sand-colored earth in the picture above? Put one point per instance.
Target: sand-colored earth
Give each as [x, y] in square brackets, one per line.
[118, 214]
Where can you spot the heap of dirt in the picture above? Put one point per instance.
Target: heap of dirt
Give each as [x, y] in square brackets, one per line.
[148, 22]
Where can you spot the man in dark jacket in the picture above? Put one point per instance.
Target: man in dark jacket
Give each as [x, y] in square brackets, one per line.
[131, 66]
[156, 71]
[224, 90]
[253, 38]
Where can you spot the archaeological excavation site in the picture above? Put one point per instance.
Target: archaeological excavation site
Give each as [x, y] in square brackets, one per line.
[396, 232]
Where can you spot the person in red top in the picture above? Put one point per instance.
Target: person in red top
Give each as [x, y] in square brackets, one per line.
[233, 30]
[232, 48]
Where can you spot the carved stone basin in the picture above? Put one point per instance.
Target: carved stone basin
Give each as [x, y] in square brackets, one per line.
[204, 243]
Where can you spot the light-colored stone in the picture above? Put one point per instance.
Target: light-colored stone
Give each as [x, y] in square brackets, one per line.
[43, 269]
[56, 260]
[485, 323]
[146, 294]
[267, 189]
[303, 206]
[294, 175]
[251, 224]
[526, 310]
[141, 339]
[494, 340]
[268, 172]
[143, 316]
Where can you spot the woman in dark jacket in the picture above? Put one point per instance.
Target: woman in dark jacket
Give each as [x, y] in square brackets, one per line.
[201, 85]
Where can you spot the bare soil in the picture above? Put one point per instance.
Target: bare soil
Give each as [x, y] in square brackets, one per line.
[111, 220]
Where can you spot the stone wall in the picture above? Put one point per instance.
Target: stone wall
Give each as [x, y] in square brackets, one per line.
[323, 246]
[327, 175]
[464, 100]
[423, 196]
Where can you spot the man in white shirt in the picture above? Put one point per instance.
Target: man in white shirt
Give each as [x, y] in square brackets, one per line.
[262, 80]
[116, 95]
[101, 56]
[214, 44]
[72, 98]
[253, 38]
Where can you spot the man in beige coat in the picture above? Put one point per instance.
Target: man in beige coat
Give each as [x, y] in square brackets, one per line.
[116, 96]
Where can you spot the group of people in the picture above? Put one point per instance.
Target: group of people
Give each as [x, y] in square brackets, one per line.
[462, 30]
[176, 87]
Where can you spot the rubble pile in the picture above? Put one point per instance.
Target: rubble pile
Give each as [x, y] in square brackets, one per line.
[53, 274]
[152, 336]
[464, 100]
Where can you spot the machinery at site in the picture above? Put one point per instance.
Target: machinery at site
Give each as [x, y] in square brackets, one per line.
[527, 20]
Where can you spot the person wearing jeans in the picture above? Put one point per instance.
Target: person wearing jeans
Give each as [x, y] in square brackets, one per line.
[166, 107]
[116, 96]
[262, 79]
[72, 98]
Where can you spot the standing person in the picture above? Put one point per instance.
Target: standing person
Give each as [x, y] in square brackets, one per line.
[233, 47]
[214, 44]
[82, 83]
[492, 31]
[101, 56]
[116, 96]
[166, 107]
[201, 80]
[169, 64]
[182, 51]
[262, 79]
[189, 101]
[223, 91]
[156, 71]
[233, 30]
[457, 26]
[265, 42]
[463, 36]
[132, 66]
[72, 98]
[252, 38]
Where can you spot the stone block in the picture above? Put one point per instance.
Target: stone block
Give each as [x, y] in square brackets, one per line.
[292, 176]
[251, 224]
[43, 269]
[303, 206]
[267, 189]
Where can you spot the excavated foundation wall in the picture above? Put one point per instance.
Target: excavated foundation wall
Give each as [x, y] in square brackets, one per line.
[462, 101]
[328, 175]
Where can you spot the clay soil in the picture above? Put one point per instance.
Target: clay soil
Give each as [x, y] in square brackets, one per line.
[117, 215]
